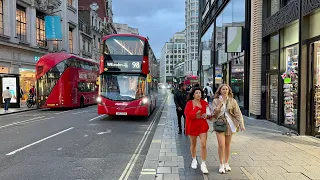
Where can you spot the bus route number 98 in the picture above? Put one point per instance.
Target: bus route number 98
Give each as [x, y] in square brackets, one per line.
[136, 65]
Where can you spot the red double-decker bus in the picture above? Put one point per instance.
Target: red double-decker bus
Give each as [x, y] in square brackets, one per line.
[66, 81]
[127, 83]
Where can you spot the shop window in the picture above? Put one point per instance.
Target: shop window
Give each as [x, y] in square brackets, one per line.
[70, 41]
[21, 26]
[316, 83]
[290, 87]
[1, 17]
[41, 34]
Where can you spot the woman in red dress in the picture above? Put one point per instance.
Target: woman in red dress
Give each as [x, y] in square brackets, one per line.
[196, 125]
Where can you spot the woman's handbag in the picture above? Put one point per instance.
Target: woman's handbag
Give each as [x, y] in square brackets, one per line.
[220, 126]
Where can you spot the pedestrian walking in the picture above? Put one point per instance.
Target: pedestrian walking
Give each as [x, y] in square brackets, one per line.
[236, 92]
[196, 125]
[208, 92]
[228, 120]
[180, 99]
[6, 95]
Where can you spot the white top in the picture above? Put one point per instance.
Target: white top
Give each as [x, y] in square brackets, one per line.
[231, 124]
[210, 92]
[6, 94]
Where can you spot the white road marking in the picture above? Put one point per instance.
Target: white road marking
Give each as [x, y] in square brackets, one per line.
[127, 171]
[59, 149]
[107, 132]
[80, 112]
[36, 120]
[96, 117]
[20, 122]
[63, 112]
[20, 149]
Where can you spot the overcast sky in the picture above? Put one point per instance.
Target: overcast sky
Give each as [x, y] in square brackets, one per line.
[157, 19]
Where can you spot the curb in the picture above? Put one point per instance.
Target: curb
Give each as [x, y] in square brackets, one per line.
[26, 110]
[150, 173]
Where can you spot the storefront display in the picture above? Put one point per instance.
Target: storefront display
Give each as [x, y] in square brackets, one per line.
[290, 86]
[273, 97]
[317, 86]
[27, 80]
[10, 82]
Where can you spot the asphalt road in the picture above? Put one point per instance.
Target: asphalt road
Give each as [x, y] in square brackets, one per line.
[75, 144]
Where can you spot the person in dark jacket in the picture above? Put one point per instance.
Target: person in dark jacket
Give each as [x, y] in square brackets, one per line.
[180, 99]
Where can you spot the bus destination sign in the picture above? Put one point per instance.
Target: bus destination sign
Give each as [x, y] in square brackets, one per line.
[124, 66]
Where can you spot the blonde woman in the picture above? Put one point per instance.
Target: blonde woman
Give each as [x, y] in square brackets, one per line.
[228, 120]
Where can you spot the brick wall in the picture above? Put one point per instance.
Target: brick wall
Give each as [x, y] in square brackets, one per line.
[255, 57]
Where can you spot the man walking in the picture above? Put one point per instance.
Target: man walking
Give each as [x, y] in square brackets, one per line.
[180, 99]
[6, 95]
[208, 92]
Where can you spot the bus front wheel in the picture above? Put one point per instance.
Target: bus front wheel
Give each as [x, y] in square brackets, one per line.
[81, 102]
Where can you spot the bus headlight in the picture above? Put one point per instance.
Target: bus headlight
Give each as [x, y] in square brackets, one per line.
[145, 100]
[99, 99]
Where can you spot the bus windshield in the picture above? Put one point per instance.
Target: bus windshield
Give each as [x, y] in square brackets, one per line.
[124, 45]
[123, 87]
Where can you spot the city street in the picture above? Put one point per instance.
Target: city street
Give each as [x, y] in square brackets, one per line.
[74, 144]
[260, 153]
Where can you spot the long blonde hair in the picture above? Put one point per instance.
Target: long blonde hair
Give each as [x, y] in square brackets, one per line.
[217, 93]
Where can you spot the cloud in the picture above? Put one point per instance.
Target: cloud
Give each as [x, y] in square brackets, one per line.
[157, 19]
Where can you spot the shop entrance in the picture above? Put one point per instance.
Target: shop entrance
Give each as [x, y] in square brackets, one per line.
[315, 106]
[272, 97]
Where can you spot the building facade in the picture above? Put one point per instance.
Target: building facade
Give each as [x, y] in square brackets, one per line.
[125, 29]
[172, 54]
[291, 69]
[179, 73]
[102, 11]
[192, 24]
[91, 33]
[22, 35]
[223, 60]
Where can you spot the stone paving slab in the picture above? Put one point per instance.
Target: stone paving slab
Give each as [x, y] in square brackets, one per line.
[262, 152]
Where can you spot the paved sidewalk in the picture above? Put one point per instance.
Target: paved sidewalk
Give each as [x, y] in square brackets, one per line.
[17, 110]
[262, 152]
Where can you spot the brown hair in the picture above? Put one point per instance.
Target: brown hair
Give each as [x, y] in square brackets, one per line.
[190, 96]
[217, 93]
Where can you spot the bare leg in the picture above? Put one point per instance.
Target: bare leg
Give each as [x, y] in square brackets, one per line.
[221, 146]
[193, 145]
[227, 147]
[203, 140]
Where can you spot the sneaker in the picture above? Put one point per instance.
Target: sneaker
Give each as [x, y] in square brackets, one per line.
[204, 168]
[227, 167]
[221, 169]
[194, 164]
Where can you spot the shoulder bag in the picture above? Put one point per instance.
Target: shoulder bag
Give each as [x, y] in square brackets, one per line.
[221, 126]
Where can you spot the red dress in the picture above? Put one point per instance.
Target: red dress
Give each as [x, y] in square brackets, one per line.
[194, 125]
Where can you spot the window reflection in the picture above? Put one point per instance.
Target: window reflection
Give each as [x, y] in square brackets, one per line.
[206, 46]
[41, 34]
[232, 15]
[21, 23]
[275, 5]
[124, 46]
[70, 41]
[123, 87]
